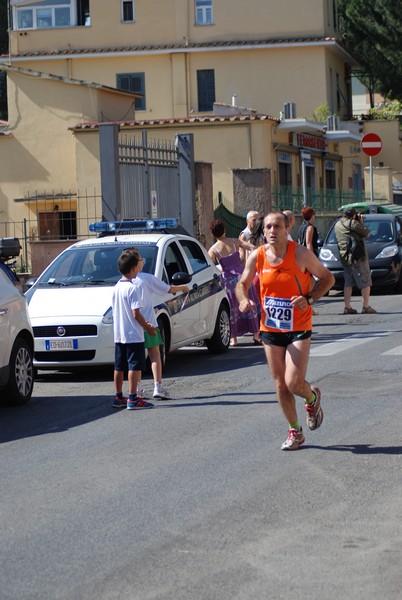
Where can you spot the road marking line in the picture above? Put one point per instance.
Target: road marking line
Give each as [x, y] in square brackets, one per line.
[397, 351]
[342, 345]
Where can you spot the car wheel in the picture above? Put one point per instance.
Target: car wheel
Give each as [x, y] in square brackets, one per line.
[21, 380]
[220, 340]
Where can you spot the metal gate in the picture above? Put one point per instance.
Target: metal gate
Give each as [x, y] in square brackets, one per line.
[142, 179]
[149, 178]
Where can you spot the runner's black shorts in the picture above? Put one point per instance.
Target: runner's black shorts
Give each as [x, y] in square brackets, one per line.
[284, 338]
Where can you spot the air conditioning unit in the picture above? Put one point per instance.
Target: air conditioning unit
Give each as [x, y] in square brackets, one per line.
[333, 123]
[289, 110]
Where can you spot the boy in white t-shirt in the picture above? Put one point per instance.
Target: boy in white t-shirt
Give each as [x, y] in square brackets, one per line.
[147, 285]
[128, 328]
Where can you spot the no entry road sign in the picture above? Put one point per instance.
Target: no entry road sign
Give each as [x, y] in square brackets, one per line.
[371, 144]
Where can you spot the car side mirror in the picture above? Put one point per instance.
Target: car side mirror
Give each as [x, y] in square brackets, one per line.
[29, 283]
[181, 278]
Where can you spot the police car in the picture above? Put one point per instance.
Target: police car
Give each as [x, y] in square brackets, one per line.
[70, 303]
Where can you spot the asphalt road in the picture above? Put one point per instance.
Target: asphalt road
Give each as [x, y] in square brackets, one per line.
[194, 500]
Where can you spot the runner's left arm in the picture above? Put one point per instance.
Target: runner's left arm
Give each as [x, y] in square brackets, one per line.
[245, 281]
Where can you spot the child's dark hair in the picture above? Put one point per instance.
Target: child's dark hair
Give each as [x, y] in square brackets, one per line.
[128, 259]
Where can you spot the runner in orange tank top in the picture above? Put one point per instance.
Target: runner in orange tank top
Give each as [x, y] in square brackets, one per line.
[279, 283]
[285, 270]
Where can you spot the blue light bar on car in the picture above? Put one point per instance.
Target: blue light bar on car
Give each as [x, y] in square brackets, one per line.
[136, 224]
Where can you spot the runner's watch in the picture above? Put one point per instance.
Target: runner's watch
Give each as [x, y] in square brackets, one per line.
[309, 299]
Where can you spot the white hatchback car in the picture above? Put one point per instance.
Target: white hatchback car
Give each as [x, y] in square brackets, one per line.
[16, 347]
[70, 303]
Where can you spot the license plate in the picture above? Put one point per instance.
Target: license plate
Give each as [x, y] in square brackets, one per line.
[61, 344]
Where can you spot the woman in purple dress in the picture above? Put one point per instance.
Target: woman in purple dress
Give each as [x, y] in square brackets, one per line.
[225, 252]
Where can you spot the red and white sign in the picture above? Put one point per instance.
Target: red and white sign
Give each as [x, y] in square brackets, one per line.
[371, 144]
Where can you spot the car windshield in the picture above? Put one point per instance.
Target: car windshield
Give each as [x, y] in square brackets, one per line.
[380, 231]
[93, 265]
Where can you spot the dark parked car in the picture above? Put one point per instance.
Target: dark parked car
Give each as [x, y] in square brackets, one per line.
[371, 207]
[384, 248]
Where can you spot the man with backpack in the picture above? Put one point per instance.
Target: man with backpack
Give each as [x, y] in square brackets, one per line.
[350, 233]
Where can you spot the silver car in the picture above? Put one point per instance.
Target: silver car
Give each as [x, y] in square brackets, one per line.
[16, 348]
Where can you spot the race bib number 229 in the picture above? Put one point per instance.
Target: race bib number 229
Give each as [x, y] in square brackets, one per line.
[278, 313]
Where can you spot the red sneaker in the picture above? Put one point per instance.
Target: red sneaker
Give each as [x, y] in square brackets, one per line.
[119, 402]
[315, 415]
[138, 403]
[294, 441]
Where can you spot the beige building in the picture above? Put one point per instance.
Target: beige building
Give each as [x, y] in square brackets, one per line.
[184, 54]
[190, 63]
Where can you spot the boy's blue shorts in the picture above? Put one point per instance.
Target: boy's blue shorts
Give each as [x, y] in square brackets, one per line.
[131, 356]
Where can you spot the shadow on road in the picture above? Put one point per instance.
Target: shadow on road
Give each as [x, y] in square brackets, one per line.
[205, 402]
[84, 375]
[358, 449]
[52, 415]
[48, 415]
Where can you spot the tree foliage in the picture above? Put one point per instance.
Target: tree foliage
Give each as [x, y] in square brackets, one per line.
[391, 109]
[372, 32]
[321, 113]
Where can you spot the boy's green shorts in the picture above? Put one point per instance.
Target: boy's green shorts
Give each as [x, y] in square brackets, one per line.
[153, 340]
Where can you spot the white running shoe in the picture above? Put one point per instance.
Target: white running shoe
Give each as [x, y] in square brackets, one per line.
[161, 393]
[294, 441]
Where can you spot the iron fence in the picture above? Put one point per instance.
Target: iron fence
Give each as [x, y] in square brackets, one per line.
[50, 218]
[59, 217]
[286, 197]
[321, 200]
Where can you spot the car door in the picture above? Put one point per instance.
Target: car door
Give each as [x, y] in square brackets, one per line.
[398, 239]
[9, 317]
[205, 278]
[184, 309]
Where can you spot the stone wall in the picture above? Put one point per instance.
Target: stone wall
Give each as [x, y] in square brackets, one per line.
[252, 191]
[203, 203]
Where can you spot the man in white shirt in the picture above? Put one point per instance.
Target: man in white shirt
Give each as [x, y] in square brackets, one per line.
[292, 220]
[246, 233]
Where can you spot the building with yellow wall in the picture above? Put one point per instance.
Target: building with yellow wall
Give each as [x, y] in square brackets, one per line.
[76, 64]
[185, 54]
